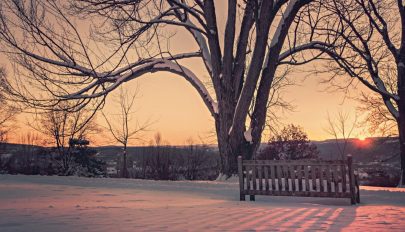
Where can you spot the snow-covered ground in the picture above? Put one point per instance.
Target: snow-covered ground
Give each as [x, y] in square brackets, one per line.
[41, 203]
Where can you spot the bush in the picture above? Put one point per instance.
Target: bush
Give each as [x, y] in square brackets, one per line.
[290, 144]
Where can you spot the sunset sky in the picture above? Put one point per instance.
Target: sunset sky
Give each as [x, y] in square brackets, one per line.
[178, 112]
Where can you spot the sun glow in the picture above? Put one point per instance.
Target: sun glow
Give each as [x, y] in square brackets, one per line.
[362, 137]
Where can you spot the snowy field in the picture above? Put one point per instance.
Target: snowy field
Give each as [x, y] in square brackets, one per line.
[41, 203]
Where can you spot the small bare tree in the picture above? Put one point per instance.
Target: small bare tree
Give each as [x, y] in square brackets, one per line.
[7, 111]
[341, 128]
[122, 126]
[62, 127]
[194, 159]
[377, 118]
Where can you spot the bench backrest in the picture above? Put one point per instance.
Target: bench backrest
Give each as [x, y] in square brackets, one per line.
[311, 178]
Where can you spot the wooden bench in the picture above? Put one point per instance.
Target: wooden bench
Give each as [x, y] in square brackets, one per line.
[305, 178]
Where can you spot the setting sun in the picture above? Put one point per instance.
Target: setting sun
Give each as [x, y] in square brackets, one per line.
[362, 137]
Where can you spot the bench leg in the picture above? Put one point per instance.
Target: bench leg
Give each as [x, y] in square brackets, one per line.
[252, 198]
[352, 201]
[358, 196]
[242, 197]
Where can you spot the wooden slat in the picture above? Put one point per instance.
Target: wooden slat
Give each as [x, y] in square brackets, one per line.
[266, 177]
[301, 194]
[351, 178]
[328, 179]
[313, 178]
[279, 177]
[344, 172]
[339, 177]
[332, 179]
[284, 170]
[321, 172]
[293, 162]
[248, 175]
[294, 179]
[260, 175]
[241, 183]
[317, 178]
[299, 170]
[335, 180]
[288, 178]
[285, 177]
[273, 177]
[254, 177]
[306, 172]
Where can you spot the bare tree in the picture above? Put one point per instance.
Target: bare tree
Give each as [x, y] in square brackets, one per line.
[291, 143]
[341, 128]
[377, 118]
[365, 39]
[241, 61]
[63, 127]
[160, 162]
[195, 159]
[7, 112]
[121, 125]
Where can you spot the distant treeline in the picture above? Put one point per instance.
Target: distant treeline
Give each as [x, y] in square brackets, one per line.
[168, 162]
[37, 160]
[194, 162]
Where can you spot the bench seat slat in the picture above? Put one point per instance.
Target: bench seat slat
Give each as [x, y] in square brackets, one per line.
[292, 162]
[301, 194]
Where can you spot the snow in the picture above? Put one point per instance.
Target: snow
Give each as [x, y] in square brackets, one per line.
[248, 135]
[224, 178]
[215, 107]
[285, 15]
[202, 43]
[230, 130]
[6, 156]
[52, 203]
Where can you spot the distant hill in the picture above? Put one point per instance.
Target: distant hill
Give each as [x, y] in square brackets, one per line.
[368, 150]
[14, 147]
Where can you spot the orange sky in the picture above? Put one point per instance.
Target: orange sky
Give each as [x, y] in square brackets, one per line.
[179, 113]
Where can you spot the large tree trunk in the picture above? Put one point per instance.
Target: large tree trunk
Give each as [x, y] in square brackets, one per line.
[232, 145]
[401, 130]
[401, 118]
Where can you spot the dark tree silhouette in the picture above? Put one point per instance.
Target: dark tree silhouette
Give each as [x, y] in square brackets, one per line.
[365, 39]
[290, 144]
[7, 111]
[122, 125]
[241, 59]
[62, 127]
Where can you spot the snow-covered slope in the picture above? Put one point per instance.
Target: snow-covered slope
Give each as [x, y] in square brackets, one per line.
[35, 203]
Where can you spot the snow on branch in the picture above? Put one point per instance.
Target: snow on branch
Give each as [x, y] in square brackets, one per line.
[153, 65]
